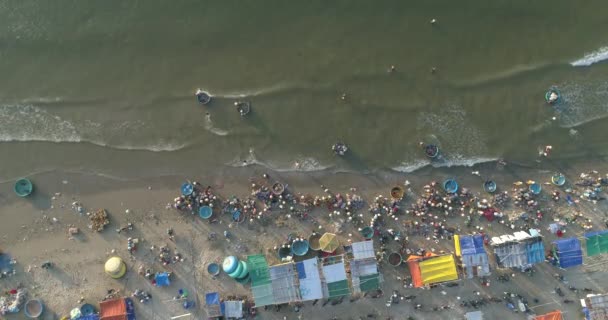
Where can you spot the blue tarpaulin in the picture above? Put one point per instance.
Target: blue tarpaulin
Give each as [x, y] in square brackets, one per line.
[213, 306]
[474, 255]
[301, 270]
[471, 244]
[212, 298]
[535, 251]
[569, 252]
[162, 279]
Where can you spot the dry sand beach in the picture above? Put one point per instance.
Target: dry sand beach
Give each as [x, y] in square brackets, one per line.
[37, 231]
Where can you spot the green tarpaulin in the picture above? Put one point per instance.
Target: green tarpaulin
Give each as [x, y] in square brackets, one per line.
[338, 289]
[369, 282]
[597, 242]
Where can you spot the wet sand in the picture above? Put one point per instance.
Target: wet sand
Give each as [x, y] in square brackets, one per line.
[30, 236]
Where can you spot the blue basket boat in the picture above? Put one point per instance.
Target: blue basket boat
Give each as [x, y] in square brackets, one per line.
[450, 186]
[213, 269]
[535, 188]
[489, 186]
[87, 309]
[205, 212]
[187, 189]
[300, 248]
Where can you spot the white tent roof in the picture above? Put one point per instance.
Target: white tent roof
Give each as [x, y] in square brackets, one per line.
[334, 272]
[474, 315]
[310, 280]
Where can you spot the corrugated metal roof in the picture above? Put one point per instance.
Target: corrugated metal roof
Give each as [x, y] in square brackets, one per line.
[363, 250]
[284, 285]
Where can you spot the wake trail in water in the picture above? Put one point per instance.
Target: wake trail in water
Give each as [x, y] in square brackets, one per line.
[301, 164]
[211, 128]
[590, 58]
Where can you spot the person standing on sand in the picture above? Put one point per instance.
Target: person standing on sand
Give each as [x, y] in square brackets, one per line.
[171, 234]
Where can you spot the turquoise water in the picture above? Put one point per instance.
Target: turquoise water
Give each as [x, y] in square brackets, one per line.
[108, 86]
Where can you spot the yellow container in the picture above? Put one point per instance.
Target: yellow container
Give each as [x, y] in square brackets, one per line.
[115, 267]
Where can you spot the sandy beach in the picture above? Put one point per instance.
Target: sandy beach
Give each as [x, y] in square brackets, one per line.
[37, 231]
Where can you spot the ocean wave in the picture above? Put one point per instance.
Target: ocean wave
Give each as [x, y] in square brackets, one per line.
[28, 123]
[301, 164]
[461, 162]
[515, 71]
[590, 58]
[583, 102]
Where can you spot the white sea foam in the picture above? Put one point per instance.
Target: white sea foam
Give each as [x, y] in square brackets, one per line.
[209, 126]
[28, 123]
[458, 162]
[301, 164]
[584, 102]
[590, 58]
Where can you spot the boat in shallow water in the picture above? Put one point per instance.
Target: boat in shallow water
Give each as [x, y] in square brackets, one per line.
[431, 151]
[340, 148]
[553, 96]
[202, 96]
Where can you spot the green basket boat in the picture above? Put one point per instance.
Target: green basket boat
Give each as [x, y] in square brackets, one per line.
[24, 187]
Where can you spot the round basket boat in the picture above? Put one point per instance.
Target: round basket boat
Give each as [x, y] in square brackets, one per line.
[202, 96]
[205, 212]
[553, 96]
[535, 188]
[558, 179]
[23, 187]
[33, 308]
[397, 193]
[87, 309]
[367, 232]
[489, 186]
[213, 269]
[300, 248]
[313, 241]
[284, 252]
[115, 267]
[431, 151]
[230, 264]
[237, 272]
[278, 188]
[395, 259]
[450, 186]
[243, 107]
[187, 189]
[244, 271]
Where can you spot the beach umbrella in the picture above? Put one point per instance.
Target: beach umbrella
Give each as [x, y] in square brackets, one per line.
[329, 242]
